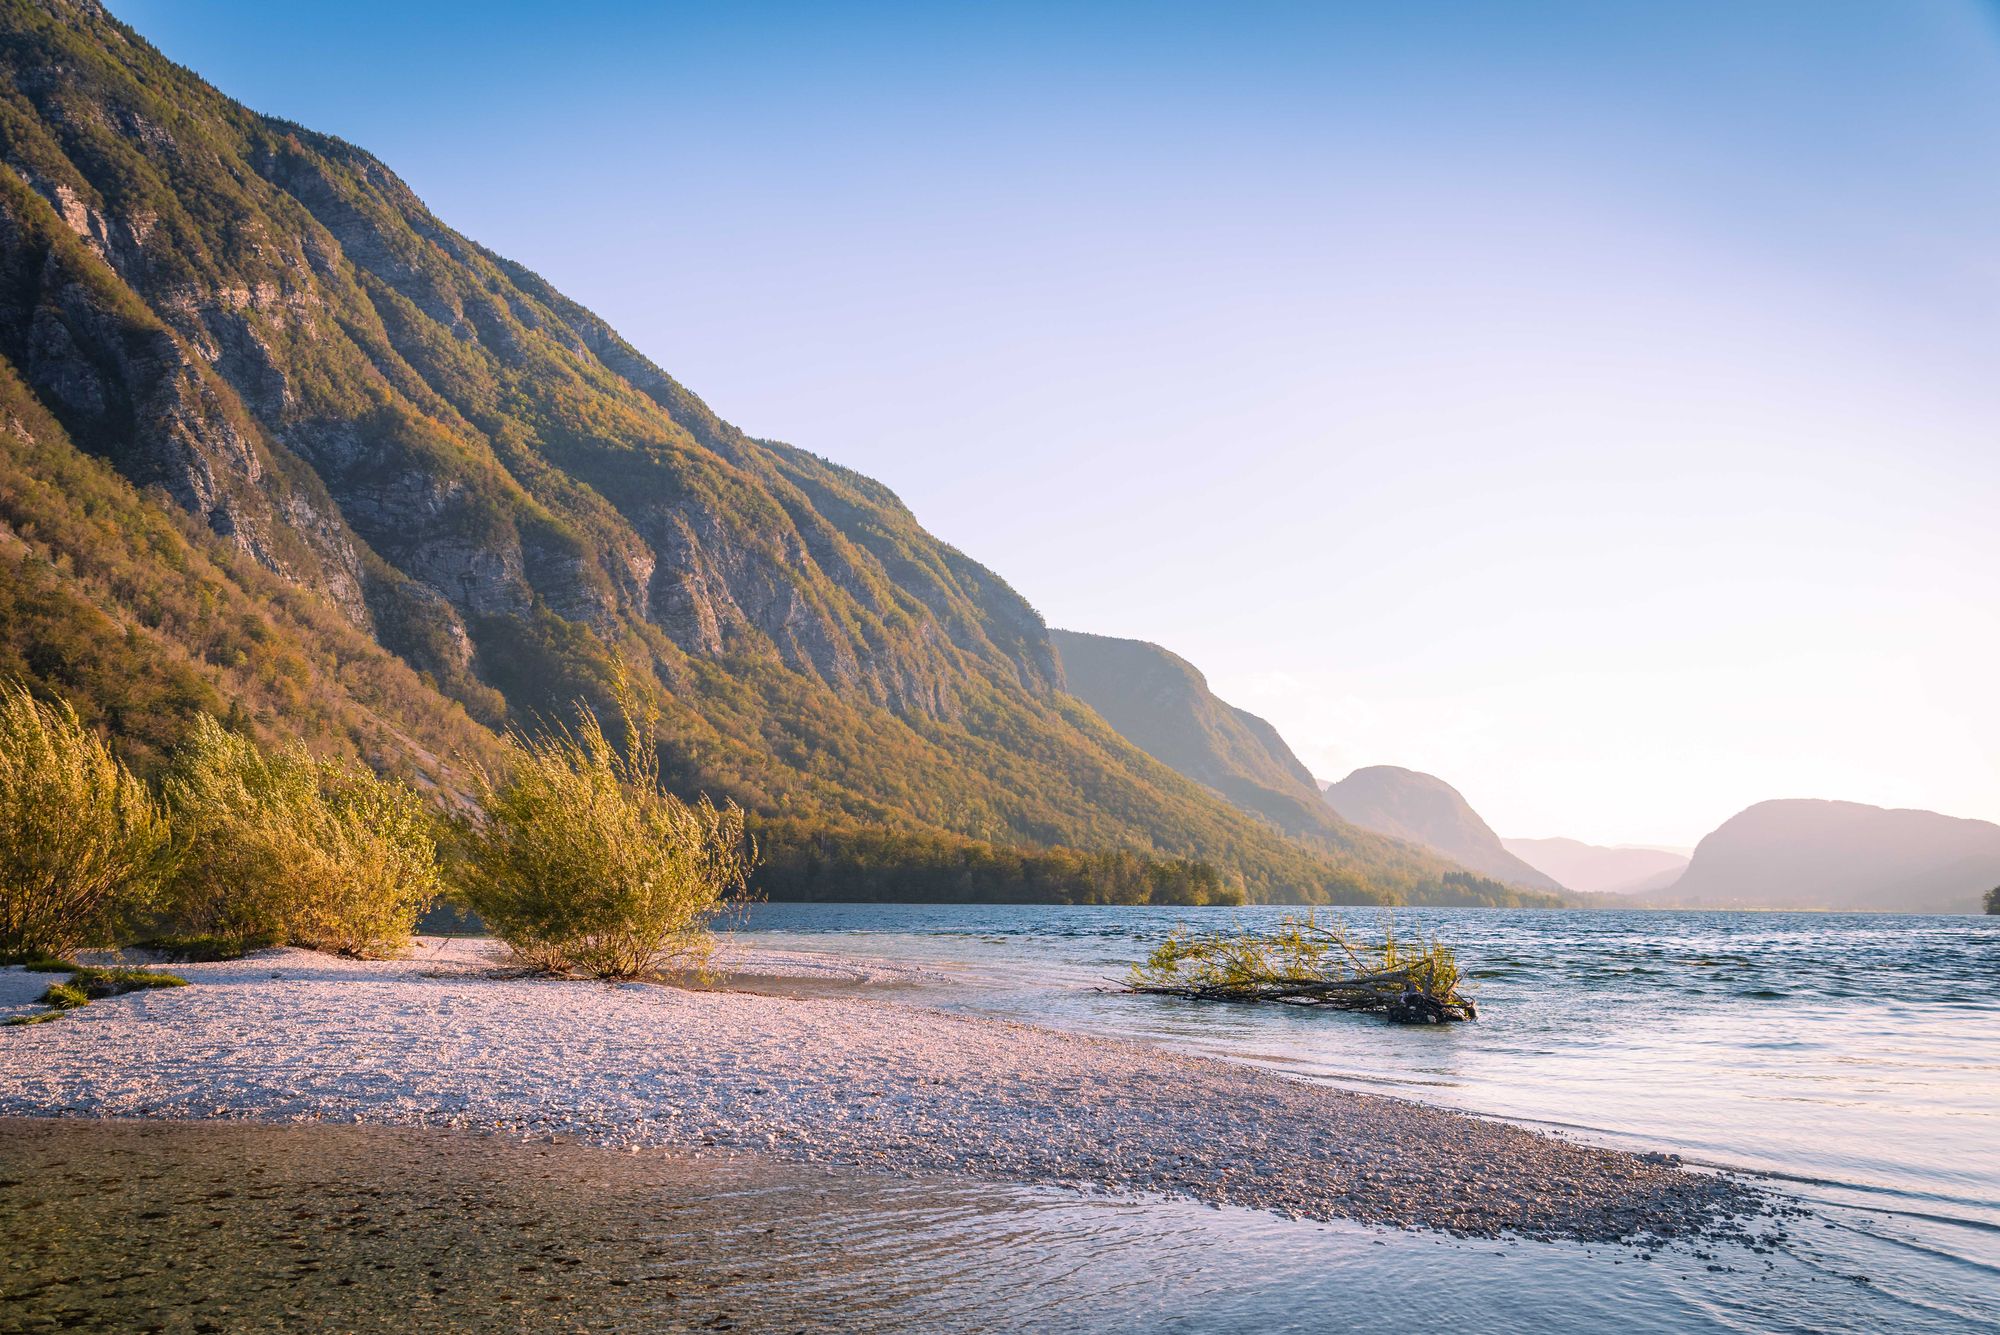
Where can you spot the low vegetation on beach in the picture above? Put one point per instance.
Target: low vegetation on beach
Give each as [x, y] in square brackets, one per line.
[1309, 962]
[85, 985]
[579, 859]
[584, 863]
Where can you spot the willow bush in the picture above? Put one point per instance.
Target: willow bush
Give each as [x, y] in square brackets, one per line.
[81, 840]
[289, 847]
[584, 864]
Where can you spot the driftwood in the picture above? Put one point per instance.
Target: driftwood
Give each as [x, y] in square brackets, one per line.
[1307, 963]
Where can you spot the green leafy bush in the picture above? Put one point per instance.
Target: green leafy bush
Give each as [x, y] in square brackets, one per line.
[81, 840]
[287, 846]
[584, 864]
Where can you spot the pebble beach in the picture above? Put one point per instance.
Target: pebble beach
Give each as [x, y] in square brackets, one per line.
[848, 1074]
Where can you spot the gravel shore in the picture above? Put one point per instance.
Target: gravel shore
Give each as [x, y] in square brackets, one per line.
[431, 1040]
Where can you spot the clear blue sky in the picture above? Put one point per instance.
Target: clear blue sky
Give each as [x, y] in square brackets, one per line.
[1595, 404]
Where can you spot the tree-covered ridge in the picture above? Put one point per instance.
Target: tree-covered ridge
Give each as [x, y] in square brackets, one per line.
[1161, 703]
[439, 456]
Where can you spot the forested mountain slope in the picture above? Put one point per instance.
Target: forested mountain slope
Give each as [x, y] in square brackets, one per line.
[452, 500]
[1161, 703]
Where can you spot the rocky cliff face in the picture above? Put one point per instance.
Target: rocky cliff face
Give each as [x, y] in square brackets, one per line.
[243, 296]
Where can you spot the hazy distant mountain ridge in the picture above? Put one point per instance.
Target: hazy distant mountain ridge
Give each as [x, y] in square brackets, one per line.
[1161, 703]
[1594, 869]
[1808, 854]
[1424, 809]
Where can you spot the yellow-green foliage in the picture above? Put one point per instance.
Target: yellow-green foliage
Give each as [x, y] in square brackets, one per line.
[319, 853]
[584, 864]
[81, 840]
[1303, 949]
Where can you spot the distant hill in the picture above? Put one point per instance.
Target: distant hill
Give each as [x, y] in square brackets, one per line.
[1802, 854]
[1161, 703]
[1596, 870]
[1424, 809]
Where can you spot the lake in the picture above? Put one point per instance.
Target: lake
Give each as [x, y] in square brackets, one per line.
[1854, 1058]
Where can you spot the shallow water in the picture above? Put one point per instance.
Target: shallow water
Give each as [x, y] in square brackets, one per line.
[1855, 1058]
[188, 1227]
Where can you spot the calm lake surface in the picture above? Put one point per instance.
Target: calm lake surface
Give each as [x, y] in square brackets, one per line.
[1853, 1058]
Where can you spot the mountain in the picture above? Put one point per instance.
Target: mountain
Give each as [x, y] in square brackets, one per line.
[1424, 809]
[280, 443]
[1596, 870]
[1161, 703]
[1803, 854]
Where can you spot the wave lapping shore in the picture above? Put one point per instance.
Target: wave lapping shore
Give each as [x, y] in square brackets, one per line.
[436, 1040]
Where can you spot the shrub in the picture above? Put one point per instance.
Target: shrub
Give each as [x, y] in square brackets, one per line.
[584, 864]
[288, 847]
[81, 841]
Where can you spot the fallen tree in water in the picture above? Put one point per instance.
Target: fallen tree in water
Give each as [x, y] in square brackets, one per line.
[1306, 962]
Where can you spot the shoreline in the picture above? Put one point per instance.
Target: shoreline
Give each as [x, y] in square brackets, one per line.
[803, 1065]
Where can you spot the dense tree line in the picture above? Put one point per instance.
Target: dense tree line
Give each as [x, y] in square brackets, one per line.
[804, 862]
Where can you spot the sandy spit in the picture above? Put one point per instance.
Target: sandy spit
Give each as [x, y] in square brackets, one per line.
[291, 1036]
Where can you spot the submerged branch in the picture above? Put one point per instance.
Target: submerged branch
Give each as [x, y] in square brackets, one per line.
[1309, 963]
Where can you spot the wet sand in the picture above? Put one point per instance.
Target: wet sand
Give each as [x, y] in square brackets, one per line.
[179, 1227]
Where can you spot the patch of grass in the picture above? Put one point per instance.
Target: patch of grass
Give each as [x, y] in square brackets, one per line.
[86, 985]
[96, 984]
[47, 964]
[64, 997]
[43, 1018]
